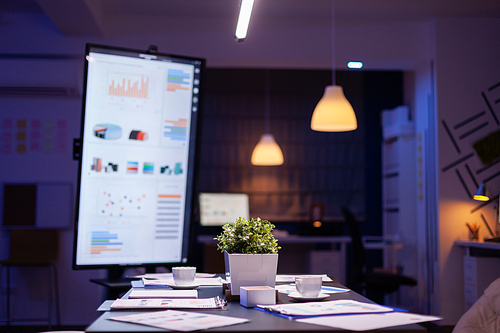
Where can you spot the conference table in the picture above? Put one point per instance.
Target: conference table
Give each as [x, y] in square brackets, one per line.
[259, 321]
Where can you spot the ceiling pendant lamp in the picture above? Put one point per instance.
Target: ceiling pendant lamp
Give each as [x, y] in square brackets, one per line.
[333, 113]
[267, 151]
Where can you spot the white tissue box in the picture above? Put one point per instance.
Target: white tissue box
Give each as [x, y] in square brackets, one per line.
[251, 296]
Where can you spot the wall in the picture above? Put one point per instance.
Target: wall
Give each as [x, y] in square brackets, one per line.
[402, 45]
[51, 125]
[385, 46]
[467, 69]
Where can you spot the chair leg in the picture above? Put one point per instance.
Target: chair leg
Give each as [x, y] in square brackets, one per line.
[50, 280]
[56, 293]
[53, 295]
[7, 271]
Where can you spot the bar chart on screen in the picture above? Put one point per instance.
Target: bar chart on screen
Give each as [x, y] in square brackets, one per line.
[175, 130]
[178, 79]
[103, 241]
[128, 85]
[169, 216]
[126, 89]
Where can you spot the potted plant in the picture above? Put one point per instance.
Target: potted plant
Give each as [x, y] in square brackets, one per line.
[250, 253]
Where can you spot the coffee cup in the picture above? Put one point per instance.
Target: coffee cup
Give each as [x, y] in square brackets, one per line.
[184, 276]
[308, 285]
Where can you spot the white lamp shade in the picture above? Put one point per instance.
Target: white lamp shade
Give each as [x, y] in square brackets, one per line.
[267, 152]
[333, 113]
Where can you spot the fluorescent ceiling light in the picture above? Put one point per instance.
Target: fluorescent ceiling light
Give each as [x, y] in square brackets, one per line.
[243, 19]
[355, 64]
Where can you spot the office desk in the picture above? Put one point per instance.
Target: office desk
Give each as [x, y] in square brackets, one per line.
[481, 267]
[259, 321]
[492, 248]
[331, 262]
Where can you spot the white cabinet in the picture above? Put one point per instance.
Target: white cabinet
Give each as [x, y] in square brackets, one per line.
[479, 272]
[399, 193]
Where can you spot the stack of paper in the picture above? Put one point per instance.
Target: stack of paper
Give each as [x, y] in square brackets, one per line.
[159, 303]
[162, 293]
[169, 281]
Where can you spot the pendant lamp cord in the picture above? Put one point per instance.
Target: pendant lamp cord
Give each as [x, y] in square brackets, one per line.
[333, 42]
[267, 105]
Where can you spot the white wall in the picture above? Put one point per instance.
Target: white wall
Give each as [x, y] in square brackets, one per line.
[467, 64]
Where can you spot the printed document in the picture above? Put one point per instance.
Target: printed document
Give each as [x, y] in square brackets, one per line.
[180, 320]
[366, 322]
[345, 306]
[178, 303]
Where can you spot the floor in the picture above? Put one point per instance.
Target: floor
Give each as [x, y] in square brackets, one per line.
[37, 329]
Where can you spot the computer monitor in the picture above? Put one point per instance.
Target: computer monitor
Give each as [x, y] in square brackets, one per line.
[217, 209]
[138, 139]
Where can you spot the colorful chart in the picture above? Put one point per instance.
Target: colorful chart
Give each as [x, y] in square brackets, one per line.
[176, 170]
[120, 204]
[132, 167]
[175, 130]
[96, 164]
[148, 168]
[111, 167]
[130, 87]
[107, 131]
[177, 79]
[138, 135]
[168, 216]
[104, 241]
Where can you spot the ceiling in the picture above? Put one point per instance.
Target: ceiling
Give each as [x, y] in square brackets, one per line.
[121, 17]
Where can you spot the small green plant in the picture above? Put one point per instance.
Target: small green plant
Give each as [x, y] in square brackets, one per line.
[248, 236]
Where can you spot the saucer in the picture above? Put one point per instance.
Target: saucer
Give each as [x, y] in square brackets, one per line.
[185, 287]
[298, 297]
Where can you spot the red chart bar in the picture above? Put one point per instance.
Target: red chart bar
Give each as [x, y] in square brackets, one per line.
[129, 88]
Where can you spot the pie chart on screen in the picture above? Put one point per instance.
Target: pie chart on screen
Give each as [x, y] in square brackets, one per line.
[138, 135]
[107, 131]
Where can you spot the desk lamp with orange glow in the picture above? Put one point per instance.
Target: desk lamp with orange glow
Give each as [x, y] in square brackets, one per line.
[483, 194]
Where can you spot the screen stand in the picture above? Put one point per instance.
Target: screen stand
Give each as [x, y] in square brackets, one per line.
[150, 269]
[116, 284]
[115, 274]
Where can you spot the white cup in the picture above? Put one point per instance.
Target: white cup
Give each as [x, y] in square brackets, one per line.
[308, 285]
[184, 276]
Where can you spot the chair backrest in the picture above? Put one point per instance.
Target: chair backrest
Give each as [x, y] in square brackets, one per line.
[32, 247]
[357, 266]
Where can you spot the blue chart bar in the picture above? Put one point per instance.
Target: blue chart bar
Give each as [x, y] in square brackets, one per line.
[101, 241]
[177, 79]
[175, 130]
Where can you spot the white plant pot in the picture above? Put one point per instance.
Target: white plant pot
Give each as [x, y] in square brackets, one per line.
[244, 270]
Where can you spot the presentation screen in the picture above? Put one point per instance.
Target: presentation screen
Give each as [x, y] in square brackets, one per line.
[137, 162]
[217, 209]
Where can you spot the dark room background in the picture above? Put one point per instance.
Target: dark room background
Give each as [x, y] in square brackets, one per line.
[331, 169]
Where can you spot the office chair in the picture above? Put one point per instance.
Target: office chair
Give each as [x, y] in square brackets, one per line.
[33, 248]
[375, 285]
